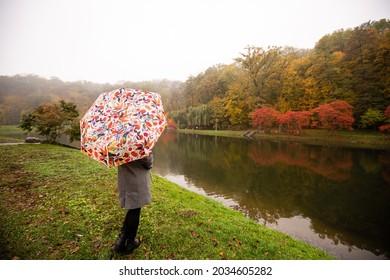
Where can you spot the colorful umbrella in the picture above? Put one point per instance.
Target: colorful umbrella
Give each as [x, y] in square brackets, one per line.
[122, 125]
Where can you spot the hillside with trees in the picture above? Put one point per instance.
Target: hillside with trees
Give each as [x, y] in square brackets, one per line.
[351, 66]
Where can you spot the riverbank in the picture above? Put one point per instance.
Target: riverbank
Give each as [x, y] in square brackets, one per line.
[58, 204]
[355, 138]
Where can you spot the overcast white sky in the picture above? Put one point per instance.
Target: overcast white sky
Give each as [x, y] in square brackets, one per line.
[113, 40]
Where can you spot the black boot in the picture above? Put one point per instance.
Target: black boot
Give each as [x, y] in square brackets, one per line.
[126, 242]
[120, 244]
[124, 245]
[132, 245]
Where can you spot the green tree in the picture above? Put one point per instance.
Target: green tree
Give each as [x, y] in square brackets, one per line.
[179, 117]
[27, 122]
[372, 118]
[199, 116]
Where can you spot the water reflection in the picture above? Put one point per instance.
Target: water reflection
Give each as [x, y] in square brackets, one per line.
[333, 198]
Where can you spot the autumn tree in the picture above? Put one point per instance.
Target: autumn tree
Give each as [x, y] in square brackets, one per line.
[219, 115]
[294, 121]
[265, 118]
[171, 123]
[240, 102]
[333, 116]
[52, 120]
[367, 56]
[385, 128]
[261, 67]
[291, 96]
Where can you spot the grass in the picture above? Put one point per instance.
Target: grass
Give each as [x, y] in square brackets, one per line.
[58, 204]
[11, 134]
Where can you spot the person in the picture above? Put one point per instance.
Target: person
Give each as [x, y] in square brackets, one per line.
[133, 193]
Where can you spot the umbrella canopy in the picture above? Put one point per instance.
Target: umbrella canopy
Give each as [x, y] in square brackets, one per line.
[122, 125]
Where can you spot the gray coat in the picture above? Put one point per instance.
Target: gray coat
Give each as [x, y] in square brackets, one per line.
[134, 183]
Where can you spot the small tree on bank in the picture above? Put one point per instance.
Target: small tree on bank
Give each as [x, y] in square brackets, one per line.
[53, 120]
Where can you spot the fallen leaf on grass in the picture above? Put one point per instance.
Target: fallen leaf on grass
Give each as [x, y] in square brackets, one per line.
[170, 256]
[63, 212]
[53, 253]
[188, 213]
[97, 244]
[195, 234]
[75, 249]
[214, 240]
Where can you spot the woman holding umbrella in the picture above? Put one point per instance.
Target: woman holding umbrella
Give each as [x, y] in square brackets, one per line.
[121, 129]
[133, 193]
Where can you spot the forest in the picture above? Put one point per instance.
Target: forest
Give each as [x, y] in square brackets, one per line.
[350, 66]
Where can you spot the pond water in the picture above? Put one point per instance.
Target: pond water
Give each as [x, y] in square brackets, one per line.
[333, 198]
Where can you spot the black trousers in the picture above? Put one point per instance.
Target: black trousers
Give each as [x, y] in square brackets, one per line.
[131, 222]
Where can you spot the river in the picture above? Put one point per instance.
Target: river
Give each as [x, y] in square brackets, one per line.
[331, 197]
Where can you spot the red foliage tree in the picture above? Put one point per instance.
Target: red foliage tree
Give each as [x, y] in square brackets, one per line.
[172, 124]
[385, 128]
[294, 121]
[333, 116]
[387, 112]
[265, 118]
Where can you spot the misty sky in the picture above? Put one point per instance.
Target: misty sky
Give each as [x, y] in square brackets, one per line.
[109, 41]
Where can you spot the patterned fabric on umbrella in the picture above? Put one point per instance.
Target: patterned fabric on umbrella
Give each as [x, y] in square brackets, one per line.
[122, 125]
